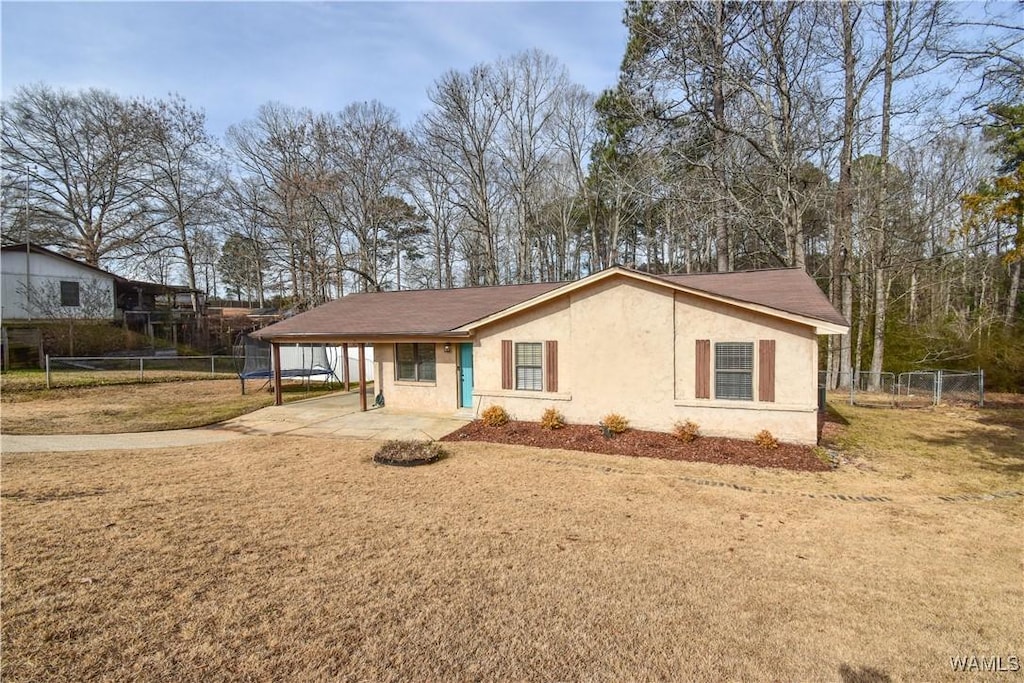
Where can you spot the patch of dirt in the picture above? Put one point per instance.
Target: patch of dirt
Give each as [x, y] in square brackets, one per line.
[1000, 400]
[644, 444]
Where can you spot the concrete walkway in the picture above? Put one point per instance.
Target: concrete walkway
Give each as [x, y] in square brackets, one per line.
[334, 416]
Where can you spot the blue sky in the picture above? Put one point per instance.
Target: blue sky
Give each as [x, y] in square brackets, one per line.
[228, 58]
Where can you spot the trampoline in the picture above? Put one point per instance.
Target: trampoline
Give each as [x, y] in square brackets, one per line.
[254, 361]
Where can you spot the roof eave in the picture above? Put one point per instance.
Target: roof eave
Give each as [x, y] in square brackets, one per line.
[321, 337]
[820, 326]
[542, 298]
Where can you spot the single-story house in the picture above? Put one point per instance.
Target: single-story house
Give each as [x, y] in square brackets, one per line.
[734, 352]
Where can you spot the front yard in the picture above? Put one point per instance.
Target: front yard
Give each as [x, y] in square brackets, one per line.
[164, 402]
[284, 558]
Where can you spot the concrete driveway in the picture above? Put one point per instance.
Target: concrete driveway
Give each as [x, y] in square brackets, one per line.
[334, 416]
[338, 415]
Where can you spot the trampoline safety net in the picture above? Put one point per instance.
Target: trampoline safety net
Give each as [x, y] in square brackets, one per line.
[253, 360]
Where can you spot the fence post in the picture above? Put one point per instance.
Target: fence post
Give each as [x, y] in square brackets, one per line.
[981, 388]
[938, 387]
[142, 369]
[213, 371]
[47, 371]
[853, 381]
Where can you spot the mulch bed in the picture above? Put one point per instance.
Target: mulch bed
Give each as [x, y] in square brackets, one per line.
[643, 444]
[398, 453]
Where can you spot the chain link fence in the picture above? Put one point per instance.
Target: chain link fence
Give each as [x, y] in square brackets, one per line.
[916, 389]
[920, 388]
[71, 371]
[962, 387]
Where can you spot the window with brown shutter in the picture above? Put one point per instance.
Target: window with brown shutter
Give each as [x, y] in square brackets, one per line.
[703, 369]
[766, 370]
[734, 371]
[506, 363]
[529, 366]
[551, 365]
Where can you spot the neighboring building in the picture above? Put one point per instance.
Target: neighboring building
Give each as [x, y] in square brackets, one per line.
[39, 284]
[39, 288]
[734, 352]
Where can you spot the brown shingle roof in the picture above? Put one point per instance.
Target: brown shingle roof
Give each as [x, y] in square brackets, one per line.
[790, 290]
[423, 312]
[437, 312]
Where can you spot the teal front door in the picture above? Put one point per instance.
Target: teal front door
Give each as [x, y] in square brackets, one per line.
[466, 375]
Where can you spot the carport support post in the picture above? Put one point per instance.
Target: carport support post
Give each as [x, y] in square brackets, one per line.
[275, 351]
[362, 377]
[344, 372]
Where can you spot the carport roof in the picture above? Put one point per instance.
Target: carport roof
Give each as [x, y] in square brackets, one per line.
[788, 292]
[414, 313]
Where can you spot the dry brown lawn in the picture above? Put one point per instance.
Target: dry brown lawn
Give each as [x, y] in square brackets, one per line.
[947, 449]
[28, 409]
[283, 558]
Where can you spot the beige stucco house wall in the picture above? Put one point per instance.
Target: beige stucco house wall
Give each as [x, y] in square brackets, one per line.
[438, 396]
[628, 346]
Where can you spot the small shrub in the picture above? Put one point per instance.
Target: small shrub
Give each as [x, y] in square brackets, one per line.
[614, 423]
[552, 419]
[765, 440]
[687, 432]
[494, 416]
[407, 453]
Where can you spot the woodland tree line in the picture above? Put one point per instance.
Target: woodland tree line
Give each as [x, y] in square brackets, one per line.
[879, 146]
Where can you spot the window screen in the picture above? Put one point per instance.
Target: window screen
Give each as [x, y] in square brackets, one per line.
[415, 362]
[734, 371]
[405, 361]
[69, 293]
[426, 370]
[529, 366]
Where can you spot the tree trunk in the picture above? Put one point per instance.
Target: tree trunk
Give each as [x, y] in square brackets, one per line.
[718, 112]
[841, 288]
[1011, 299]
[859, 340]
[190, 264]
[912, 315]
[878, 340]
[881, 291]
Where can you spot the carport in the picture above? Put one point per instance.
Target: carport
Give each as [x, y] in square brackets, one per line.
[275, 350]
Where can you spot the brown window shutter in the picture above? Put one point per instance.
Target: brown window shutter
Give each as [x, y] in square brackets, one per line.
[551, 363]
[766, 370]
[506, 364]
[703, 369]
